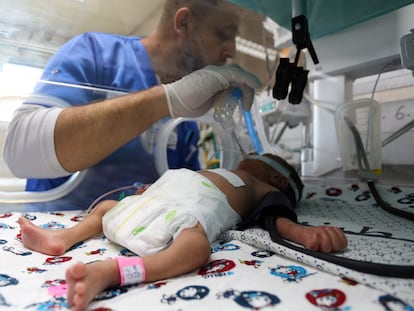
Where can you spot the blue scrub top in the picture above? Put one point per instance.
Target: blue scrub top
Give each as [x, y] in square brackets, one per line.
[110, 62]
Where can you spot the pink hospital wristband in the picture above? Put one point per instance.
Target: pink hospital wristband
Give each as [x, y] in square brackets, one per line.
[131, 270]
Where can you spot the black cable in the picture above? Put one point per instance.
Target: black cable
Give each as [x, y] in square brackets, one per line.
[385, 205]
[396, 271]
[359, 146]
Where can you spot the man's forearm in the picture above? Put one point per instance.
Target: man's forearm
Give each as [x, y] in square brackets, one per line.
[87, 134]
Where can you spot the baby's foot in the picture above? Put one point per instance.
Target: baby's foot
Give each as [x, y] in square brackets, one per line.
[49, 242]
[85, 281]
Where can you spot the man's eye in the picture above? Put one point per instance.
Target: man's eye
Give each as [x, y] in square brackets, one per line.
[226, 35]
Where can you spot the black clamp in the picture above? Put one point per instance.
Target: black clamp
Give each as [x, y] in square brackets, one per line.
[289, 73]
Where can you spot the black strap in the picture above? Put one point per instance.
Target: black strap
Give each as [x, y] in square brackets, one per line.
[276, 204]
[396, 271]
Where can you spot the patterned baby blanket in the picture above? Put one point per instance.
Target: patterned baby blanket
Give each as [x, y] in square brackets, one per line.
[246, 270]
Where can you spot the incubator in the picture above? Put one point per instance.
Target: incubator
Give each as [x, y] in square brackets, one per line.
[313, 135]
[343, 117]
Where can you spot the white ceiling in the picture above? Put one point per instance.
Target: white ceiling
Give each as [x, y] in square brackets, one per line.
[41, 26]
[32, 30]
[56, 20]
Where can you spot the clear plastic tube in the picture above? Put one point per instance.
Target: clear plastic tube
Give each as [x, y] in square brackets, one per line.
[136, 186]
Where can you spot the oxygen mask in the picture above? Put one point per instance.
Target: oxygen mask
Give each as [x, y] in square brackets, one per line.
[223, 111]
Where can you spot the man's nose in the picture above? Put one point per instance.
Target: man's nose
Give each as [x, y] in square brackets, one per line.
[229, 49]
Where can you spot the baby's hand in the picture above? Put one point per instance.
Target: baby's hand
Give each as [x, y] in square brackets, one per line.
[324, 239]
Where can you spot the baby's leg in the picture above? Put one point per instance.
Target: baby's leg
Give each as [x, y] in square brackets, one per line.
[189, 251]
[56, 242]
[85, 281]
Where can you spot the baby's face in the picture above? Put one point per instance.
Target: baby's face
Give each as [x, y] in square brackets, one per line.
[264, 172]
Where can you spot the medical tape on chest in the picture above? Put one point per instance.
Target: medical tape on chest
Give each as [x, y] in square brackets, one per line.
[231, 177]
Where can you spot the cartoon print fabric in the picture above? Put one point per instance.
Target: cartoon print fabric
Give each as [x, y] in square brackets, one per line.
[245, 272]
[373, 234]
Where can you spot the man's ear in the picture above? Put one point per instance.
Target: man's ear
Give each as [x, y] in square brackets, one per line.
[182, 21]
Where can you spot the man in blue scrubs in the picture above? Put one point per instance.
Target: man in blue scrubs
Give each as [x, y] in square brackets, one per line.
[46, 144]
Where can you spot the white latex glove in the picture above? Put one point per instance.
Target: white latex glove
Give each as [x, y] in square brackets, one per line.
[193, 95]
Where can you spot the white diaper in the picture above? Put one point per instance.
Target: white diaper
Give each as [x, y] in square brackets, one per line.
[147, 223]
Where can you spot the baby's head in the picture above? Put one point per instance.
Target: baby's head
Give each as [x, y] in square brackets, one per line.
[294, 186]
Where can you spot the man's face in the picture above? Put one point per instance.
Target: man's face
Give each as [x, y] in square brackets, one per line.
[212, 41]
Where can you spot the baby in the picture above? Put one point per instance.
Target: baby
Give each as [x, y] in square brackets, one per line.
[181, 208]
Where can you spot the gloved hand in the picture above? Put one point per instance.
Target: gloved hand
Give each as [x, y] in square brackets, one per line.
[193, 95]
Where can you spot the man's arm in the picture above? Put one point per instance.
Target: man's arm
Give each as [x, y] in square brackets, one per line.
[80, 137]
[87, 134]
[53, 142]
[113, 123]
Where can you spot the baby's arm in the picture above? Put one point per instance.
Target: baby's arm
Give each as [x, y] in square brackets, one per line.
[325, 239]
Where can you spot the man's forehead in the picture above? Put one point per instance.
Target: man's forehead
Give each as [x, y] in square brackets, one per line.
[227, 9]
[225, 19]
